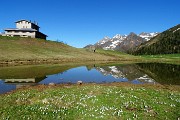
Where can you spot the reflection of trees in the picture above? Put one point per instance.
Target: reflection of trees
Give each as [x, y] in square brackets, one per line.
[162, 73]
[131, 72]
[89, 67]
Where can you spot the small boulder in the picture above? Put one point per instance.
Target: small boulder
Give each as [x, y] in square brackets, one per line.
[52, 84]
[79, 82]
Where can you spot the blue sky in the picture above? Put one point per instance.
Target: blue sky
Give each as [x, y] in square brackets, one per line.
[82, 22]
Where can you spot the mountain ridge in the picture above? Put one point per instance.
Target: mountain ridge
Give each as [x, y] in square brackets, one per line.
[167, 42]
[123, 42]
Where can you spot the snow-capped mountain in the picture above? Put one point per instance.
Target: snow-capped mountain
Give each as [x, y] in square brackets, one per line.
[148, 36]
[104, 40]
[131, 41]
[110, 43]
[124, 42]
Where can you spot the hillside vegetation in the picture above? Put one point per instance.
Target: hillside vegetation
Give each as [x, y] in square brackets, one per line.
[167, 42]
[28, 49]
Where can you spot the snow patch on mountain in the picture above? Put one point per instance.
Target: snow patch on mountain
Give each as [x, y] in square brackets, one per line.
[176, 30]
[104, 40]
[148, 36]
[146, 78]
[115, 43]
[114, 69]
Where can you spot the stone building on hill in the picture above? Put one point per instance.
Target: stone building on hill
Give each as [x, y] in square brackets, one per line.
[25, 28]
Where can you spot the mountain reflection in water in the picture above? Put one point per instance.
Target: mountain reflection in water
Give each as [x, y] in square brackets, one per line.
[130, 72]
[162, 73]
[15, 77]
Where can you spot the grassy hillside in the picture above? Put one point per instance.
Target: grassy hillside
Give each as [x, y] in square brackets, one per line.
[120, 55]
[16, 50]
[167, 42]
[28, 49]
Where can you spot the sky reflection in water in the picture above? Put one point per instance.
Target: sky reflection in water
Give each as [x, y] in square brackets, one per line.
[134, 73]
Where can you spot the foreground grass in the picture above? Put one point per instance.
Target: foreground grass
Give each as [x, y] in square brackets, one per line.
[91, 102]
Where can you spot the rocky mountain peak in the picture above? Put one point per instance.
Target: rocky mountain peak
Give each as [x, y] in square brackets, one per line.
[123, 42]
[117, 36]
[144, 33]
[132, 34]
[106, 38]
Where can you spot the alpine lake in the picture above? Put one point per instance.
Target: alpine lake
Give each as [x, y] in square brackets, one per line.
[13, 77]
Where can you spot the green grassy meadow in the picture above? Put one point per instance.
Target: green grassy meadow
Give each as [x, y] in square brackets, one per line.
[16, 50]
[28, 49]
[92, 102]
[162, 56]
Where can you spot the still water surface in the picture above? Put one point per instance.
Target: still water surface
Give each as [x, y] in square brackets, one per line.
[12, 78]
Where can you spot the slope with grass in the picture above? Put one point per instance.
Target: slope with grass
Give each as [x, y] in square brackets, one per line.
[16, 50]
[28, 49]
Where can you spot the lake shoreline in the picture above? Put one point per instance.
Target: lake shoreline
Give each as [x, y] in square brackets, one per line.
[59, 61]
[77, 61]
[42, 87]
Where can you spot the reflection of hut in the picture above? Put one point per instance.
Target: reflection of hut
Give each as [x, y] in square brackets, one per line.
[21, 82]
[28, 80]
[24, 80]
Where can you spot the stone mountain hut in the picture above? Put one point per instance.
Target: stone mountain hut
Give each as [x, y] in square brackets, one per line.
[25, 28]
